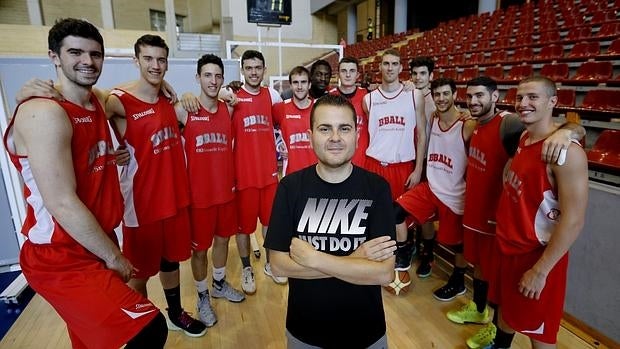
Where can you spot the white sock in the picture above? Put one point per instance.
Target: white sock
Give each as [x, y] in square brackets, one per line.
[201, 286]
[219, 273]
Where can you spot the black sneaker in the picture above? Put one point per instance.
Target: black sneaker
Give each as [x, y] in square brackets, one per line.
[425, 268]
[404, 256]
[184, 322]
[449, 291]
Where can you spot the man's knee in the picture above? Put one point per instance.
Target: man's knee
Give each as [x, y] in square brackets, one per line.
[167, 266]
[153, 335]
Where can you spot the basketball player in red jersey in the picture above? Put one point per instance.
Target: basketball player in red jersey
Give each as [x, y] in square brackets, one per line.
[156, 232]
[540, 215]
[293, 118]
[64, 152]
[348, 72]
[208, 150]
[256, 171]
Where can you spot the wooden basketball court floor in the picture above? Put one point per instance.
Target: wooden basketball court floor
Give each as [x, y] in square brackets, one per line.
[414, 320]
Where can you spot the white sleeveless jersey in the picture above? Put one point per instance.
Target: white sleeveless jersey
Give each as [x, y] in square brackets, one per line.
[446, 164]
[429, 110]
[391, 126]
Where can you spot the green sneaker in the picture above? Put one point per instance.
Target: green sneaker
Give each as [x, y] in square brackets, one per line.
[469, 313]
[483, 338]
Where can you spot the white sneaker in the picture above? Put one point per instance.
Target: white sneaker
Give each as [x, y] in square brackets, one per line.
[280, 280]
[206, 312]
[247, 281]
[225, 290]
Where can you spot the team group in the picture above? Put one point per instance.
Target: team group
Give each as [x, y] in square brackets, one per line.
[509, 192]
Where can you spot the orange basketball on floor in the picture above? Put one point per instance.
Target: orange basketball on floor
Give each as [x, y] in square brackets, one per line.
[401, 283]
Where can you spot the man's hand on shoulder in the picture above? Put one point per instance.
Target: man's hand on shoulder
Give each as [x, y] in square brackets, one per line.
[38, 88]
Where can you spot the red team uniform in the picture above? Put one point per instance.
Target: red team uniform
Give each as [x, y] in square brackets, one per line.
[526, 217]
[391, 127]
[485, 165]
[294, 124]
[357, 99]
[256, 169]
[441, 197]
[67, 275]
[154, 185]
[208, 149]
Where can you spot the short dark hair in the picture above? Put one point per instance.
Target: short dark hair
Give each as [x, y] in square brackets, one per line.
[489, 83]
[298, 70]
[391, 52]
[209, 59]
[319, 63]
[548, 84]
[442, 82]
[336, 101]
[71, 27]
[150, 40]
[349, 59]
[422, 61]
[251, 54]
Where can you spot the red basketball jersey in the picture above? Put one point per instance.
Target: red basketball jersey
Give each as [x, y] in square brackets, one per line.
[254, 149]
[95, 175]
[154, 183]
[294, 124]
[359, 158]
[528, 207]
[208, 148]
[485, 164]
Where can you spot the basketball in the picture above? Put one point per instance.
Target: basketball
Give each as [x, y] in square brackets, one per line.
[401, 283]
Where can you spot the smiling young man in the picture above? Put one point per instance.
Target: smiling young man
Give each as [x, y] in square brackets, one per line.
[332, 234]
[540, 214]
[154, 182]
[63, 149]
[292, 117]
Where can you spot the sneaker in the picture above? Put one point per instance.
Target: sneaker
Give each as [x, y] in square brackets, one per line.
[248, 285]
[425, 268]
[184, 322]
[224, 290]
[280, 280]
[449, 291]
[483, 338]
[469, 313]
[404, 256]
[205, 311]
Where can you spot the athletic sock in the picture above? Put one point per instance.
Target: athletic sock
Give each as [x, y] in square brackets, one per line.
[201, 286]
[495, 314]
[481, 289]
[429, 245]
[245, 262]
[459, 276]
[503, 339]
[173, 298]
[219, 274]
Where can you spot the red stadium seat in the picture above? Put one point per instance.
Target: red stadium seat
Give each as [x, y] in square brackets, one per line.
[609, 30]
[566, 97]
[441, 61]
[603, 17]
[495, 72]
[584, 50]
[518, 73]
[605, 152]
[523, 54]
[498, 57]
[476, 58]
[511, 96]
[450, 73]
[457, 60]
[550, 53]
[613, 51]
[461, 94]
[468, 74]
[602, 100]
[555, 72]
[614, 81]
[578, 33]
[592, 73]
[549, 37]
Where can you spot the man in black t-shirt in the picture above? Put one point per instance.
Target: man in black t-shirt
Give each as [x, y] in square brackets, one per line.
[332, 233]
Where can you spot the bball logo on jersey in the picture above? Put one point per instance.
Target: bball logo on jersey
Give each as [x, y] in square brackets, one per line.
[82, 120]
[332, 224]
[392, 120]
[244, 100]
[255, 120]
[292, 116]
[442, 158]
[478, 155]
[299, 137]
[511, 179]
[199, 118]
[160, 136]
[212, 137]
[101, 148]
[142, 114]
